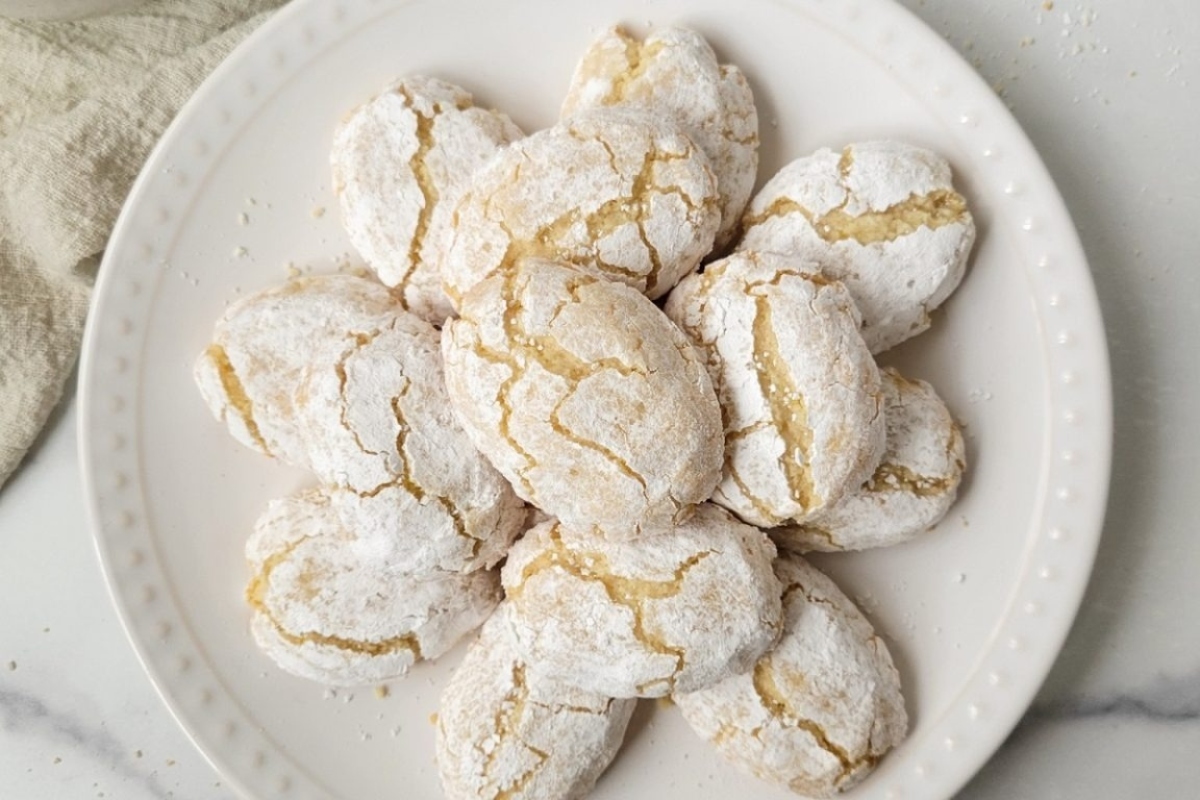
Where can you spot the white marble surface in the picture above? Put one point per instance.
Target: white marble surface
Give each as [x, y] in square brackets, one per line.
[1108, 91]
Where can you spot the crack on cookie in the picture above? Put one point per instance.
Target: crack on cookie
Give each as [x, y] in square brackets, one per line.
[426, 185]
[361, 340]
[256, 593]
[898, 478]
[811, 531]
[780, 709]
[629, 593]
[544, 350]
[789, 412]
[934, 210]
[638, 58]
[759, 505]
[235, 393]
[406, 481]
[556, 424]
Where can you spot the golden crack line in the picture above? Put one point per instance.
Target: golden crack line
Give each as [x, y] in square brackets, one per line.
[508, 714]
[406, 480]
[621, 464]
[361, 340]
[777, 705]
[513, 306]
[821, 533]
[506, 723]
[757, 502]
[638, 56]
[641, 195]
[256, 597]
[934, 210]
[787, 406]
[551, 356]
[425, 183]
[517, 790]
[742, 433]
[516, 372]
[898, 478]
[236, 392]
[595, 712]
[631, 593]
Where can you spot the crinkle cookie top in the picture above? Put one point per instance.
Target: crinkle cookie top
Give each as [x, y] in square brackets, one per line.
[380, 431]
[672, 612]
[881, 216]
[504, 731]
[799, 392]
[621, 194]
[249, 374]
[585, 396]
[327, 608]
[912, 488]
[401, 161]
[675, 72]
[819, 711]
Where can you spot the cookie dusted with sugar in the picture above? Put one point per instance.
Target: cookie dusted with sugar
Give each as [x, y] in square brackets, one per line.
[675, 72]
[585, 397]
[621, 194]
[380, 432]
[669, 613]
[883, 217]
[912, 488]
[401, 161]
[505, 732]
[816, 714]
[249, 373]
[799, 392]
[327, 608]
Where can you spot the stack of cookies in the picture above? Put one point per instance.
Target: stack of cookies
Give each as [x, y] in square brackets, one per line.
[506, 426]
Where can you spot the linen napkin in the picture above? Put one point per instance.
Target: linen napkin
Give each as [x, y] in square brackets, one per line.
[81, 105]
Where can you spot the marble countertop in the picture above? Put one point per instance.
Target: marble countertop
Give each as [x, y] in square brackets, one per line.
[1107, 90]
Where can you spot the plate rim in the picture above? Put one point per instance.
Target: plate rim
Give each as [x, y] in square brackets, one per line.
[1085, 333]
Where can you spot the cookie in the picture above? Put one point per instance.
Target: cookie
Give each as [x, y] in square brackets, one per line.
[380, 433]
[621, 194]
[585, 397]
[327, 608]
[816, 714]
[401, 161]
[912, 488]
[503, 731]
[675, 72]
[883, 217]
[669, 613]
[249, 373]
[799, 392]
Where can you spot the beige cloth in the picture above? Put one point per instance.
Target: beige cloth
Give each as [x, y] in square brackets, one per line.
[81, 105]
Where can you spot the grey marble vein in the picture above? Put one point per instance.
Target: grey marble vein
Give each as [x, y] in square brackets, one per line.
[24, 714]
[1170, 698]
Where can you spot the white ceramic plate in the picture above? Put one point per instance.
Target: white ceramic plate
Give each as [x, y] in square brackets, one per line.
[974, 612]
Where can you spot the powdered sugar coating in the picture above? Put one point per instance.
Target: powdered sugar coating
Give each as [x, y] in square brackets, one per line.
[819, 711]
[249, 374]
[883, 217]
[912, 488]
[799, 392]
[504, 731]
[675, 72]
[328, 609]
[672, 612]
[380, 432]
[585, 397]
[621, 194]
[401, 161]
